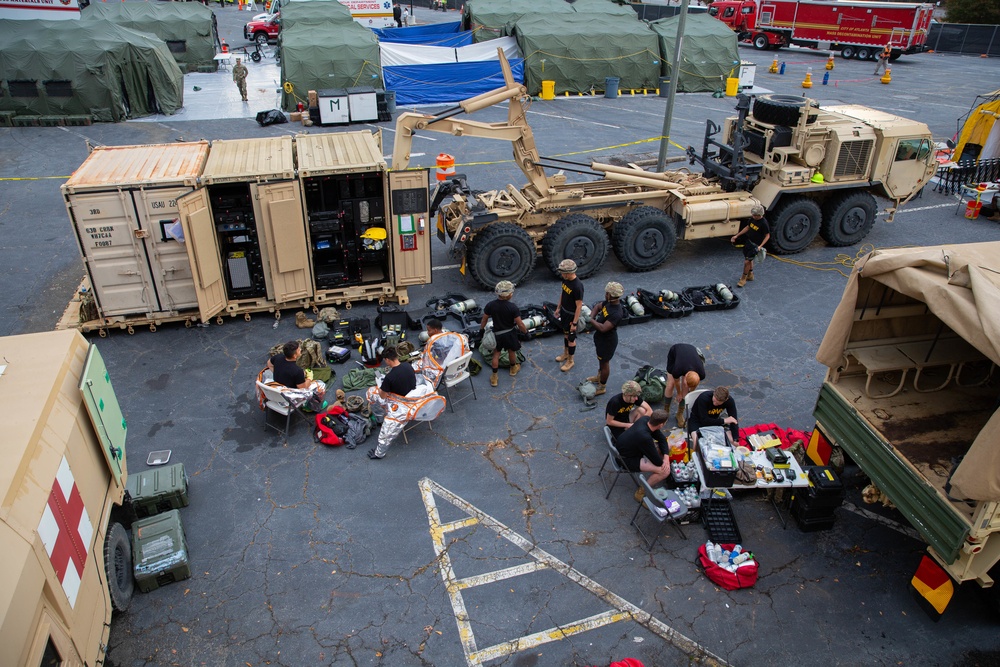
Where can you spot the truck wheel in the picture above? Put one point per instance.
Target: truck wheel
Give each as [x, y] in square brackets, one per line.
[644, 238]
[261, 39]
[865, 53]
[778, 109]
[795, 223]
[577, 237]
[894, 56]
[847, 52]
[761, 43]
[502, 251]
[118, 566]
[848, 219]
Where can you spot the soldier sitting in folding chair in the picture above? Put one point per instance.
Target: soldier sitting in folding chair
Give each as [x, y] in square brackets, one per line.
[400, 396]
[298, 382]
[441, 348]
[643, 448]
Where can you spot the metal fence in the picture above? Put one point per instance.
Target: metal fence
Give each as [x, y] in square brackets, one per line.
[964, 38]
[952, 177]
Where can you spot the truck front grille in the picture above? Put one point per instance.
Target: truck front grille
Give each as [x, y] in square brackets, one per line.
[852, 162]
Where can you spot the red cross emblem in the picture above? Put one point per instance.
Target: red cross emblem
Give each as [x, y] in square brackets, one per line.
[66, 531]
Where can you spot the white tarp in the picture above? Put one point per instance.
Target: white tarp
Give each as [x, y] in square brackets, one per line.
[394, 54]
[488, 50]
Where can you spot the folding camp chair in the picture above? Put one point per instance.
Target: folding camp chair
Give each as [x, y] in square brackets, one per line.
[618, 466]
[275, 401]
[456, 373]
[652, 502]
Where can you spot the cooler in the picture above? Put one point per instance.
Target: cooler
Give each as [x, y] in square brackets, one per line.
[159, 551]
[158, 490]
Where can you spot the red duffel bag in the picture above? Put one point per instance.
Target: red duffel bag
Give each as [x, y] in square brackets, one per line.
[745, 575]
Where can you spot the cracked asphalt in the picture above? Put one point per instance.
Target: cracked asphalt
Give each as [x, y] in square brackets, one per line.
[307, 554]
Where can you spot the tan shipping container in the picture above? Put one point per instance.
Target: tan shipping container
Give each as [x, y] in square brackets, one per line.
[122, 202]
[349, 194]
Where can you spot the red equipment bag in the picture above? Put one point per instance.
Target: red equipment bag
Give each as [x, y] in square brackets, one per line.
[745, 575]
[331, 426]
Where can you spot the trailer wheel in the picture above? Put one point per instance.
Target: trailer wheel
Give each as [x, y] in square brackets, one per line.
[778, 109]
[848, 218]
[795, 223]
[502, 251]
[118, 567]
[644, 238]
[580, 238]
[865, 53]
[761, 43]
[847, 52]
[894, 56]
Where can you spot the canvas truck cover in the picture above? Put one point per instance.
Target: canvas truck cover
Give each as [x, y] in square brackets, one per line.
[709, 52]
[59, 68]
[961, 286]
[332, 13]
[581, 50]
[486, 19]
[188, 28]
[53, 456]
[317, 57]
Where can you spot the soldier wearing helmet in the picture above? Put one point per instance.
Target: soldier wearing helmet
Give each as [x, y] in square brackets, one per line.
[605, 318]
[756, 232]
[570, 305]
[506, 323]
[624, 408]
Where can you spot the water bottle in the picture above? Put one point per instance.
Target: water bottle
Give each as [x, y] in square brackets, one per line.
[726, 555]
[709, 549]
[737, 550]
[742, 558]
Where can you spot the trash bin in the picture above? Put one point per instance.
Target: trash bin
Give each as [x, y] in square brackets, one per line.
[548, 90]
[611, 87]
[390, 101]
[732, 86]
[664, 86]
[972, 209]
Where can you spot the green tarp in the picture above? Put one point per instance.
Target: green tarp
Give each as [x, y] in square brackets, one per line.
[318, 57]
[578, 51]
[487, 18]
[709, 52]
[110, 72]
[188, 28]
[314, 11]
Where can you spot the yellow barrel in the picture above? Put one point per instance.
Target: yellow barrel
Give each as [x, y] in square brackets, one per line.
[548, 90]
[732, 86]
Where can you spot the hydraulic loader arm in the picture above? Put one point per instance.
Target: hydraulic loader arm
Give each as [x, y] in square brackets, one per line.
[516, 130]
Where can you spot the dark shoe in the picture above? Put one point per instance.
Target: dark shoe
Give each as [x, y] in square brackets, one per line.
[371, 455]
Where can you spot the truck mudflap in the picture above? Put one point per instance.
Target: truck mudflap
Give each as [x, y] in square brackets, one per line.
[933, 587]
[933, 518]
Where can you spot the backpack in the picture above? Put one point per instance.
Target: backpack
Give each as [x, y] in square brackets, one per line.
[331, 426]
[653, 382]
[311, 357]
[588, 392]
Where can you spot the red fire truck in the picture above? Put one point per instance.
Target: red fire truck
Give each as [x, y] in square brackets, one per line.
[857, 29]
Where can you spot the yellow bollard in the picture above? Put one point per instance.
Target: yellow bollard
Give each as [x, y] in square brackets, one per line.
[887, 77]
[773, 69]
[829, 63]
[808, 82]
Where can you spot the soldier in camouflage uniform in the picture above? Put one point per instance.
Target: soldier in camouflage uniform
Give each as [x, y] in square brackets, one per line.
[240, 73]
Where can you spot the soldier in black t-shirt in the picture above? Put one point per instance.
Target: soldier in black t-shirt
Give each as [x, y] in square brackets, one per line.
[756, 233]
[570, 305]
[288, 373]
[605, 318]
[707, 410]
[624, 408]
[506, 323]
[643, 447]
[685, 371]
[401, 378]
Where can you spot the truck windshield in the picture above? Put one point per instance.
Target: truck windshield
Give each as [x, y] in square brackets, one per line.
[913, 149]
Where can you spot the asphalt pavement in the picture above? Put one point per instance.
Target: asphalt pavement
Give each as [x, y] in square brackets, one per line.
[487, 539]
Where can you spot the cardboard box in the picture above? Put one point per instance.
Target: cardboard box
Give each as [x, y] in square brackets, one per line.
[295, 116]
[313, 98]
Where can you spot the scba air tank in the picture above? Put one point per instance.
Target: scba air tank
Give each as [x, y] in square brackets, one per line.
[463, 306]
[534, 321]
[634, 305]
[724, 292]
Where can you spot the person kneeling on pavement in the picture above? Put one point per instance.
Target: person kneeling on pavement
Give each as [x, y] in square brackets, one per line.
[643, 448]
[624, 408]
[400, 396]
[298, 382]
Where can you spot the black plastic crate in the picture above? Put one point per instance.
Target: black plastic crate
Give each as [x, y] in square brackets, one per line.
[707, 297]
[716, 479]
[814, 525]
[825, 482]
[719, 519]
[654, 305]
[630, 317]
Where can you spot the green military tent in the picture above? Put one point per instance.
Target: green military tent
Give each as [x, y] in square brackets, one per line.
[709, 52]
[487, 18]
[188, 28]
[321, 56]
[603, 7]
[315, 12]
[107, 71]
[579, 51]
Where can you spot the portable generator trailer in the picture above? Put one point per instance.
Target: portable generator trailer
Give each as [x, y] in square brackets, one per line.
[817, 170]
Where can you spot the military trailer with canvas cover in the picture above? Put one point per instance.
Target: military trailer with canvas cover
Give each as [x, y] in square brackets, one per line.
[911, 396]
[67, 561]
[816, 169]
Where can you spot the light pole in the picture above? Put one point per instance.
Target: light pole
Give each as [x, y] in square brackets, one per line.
[668, 114]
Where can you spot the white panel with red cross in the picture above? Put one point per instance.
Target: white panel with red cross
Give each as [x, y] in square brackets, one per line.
[66, 531]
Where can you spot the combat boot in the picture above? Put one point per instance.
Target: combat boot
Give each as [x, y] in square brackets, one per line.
[594, 378]
[494, 379]
[669, 401]
[680, 415]
[640, 493]
[600, 389]
[568, 364]
[515, 369]
[743, 281]
[750, 277]
[565, 355]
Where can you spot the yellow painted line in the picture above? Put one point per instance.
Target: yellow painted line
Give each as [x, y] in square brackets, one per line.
[622, 609]
[551, 635]
[499, 575]
[457, 525]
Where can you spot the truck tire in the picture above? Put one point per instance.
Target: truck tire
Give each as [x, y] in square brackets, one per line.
[502, 251]
[260, 38]
[778, 109]
[580, 238]
[760, 42]
[847, 52]
[644, 238]
[864, 53]
[894, 56]
[848, 218]
[118, 566]
[795, 221]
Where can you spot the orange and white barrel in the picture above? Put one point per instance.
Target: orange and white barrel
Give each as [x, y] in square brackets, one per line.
[445, 166]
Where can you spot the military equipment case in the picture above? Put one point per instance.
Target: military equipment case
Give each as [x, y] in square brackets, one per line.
[159, 551]
[158, 490]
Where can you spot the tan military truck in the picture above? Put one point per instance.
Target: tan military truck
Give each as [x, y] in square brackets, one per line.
[817, 170]
[911, 396]
[67, 561]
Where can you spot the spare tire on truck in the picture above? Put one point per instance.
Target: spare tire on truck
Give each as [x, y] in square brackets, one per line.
[779, 109]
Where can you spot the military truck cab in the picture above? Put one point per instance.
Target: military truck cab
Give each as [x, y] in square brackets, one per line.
[66, 560]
